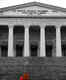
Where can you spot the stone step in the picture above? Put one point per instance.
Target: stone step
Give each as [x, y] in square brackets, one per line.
[37, 68]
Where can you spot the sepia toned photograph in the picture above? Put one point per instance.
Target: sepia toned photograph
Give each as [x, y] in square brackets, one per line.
[32, 40]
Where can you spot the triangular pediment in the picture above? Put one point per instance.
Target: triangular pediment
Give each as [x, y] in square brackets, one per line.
[33, 9]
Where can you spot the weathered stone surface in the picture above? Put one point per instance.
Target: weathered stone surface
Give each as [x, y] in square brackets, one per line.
[38, 68]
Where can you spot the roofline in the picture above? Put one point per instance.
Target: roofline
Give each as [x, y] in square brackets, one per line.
[55, 8]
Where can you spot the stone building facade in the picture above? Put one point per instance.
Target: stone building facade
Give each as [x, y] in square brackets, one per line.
[33, 36]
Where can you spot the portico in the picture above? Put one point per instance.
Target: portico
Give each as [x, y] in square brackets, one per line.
[35, 38]
[33, 29]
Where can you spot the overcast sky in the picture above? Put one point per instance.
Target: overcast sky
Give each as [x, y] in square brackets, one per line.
[5, 3]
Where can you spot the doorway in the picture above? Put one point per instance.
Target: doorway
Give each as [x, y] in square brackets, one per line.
[19, 50]
[49, 50]
[34, 49]
[4, 50]
[63, 50]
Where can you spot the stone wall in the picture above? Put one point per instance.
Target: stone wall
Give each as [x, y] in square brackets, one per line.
[37, 68]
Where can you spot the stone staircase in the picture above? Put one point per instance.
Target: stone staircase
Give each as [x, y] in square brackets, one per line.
[37, 68]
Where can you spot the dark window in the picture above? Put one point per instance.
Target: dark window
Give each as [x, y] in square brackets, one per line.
[64, 50]
[19, 50]
[48, 50]
[4, 51]
[34, 50]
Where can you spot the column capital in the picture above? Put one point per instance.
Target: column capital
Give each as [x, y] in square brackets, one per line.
[26, 25]
[43, 26]
[11, 26]
[58, 25]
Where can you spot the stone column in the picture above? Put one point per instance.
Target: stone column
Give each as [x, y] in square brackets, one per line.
[26, 41]
[58, 42]
[42, 41]
[10, 41]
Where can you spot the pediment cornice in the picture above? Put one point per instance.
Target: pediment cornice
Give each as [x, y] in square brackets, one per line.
[55, 8]
[33, 9]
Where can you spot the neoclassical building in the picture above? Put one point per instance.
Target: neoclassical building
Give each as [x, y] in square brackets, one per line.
[33, 40]
[33, 29]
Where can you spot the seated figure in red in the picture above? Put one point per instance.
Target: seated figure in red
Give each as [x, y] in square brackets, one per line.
[21, 77]
[26, 76]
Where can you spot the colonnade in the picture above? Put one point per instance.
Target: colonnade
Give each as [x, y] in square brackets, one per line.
[42, 41]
